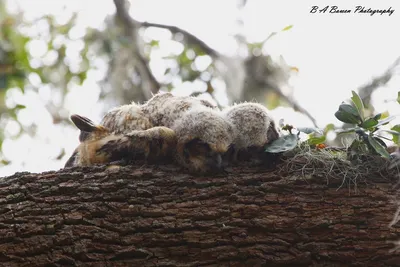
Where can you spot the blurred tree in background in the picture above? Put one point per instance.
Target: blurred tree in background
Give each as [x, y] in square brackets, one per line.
[36, 59]
[47, 57]
[52, 60]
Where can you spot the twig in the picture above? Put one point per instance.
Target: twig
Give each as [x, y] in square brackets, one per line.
[366, 90]
[294, 105]
[190, 38]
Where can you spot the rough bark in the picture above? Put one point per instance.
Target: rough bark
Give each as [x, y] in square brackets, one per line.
[159, 216]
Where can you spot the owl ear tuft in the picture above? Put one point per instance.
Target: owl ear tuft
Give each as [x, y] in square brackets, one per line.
[85, 124]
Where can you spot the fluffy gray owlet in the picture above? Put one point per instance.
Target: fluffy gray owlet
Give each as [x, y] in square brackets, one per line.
[254, 129]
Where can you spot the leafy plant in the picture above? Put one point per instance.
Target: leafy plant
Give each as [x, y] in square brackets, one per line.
[365, 128]
[289, 141]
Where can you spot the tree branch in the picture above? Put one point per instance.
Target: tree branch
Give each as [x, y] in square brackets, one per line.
[366, 90]
[193, 40]
[122, 7]
[294, 104]
[149, 82]
[190, 38]
[157, 216]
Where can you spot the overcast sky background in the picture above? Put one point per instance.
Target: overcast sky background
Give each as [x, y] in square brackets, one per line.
[335, 53]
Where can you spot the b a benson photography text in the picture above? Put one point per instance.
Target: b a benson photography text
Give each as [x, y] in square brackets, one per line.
[357, 10]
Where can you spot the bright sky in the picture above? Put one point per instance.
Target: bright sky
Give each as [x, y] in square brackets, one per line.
[335, 53]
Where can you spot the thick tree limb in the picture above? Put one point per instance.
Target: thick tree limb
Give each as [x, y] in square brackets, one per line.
[149, 82]
[122, 7]
[154, 216]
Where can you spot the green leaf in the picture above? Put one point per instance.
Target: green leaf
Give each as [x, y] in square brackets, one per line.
[315, 140]
[154, 43]
[396, 128]
[385, 121]
[349, 109]
[287, 28]
[19, 106]
[396, 138]
[82, 77]
[284, 143]
[398, 97]
[378, 147]
[198, 51]
[346, 117]
[378, 116]
[255, 45]
[359, 104]
[369, 123]
[384, 115]
[4, 162]
[329, 127]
